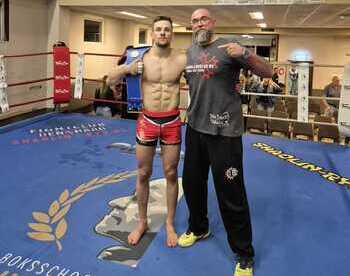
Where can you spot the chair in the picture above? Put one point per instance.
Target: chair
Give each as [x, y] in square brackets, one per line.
[347, 140]
[257, 125]
[317, 92]
[323, 119]
[294, 115]
[280, 106]
[303, 131]
[326, 133]
[314, 107]
[279, 128]
[291, 100]
[79, 105]
[292, 106]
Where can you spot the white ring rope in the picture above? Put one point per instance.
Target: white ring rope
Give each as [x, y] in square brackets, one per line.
[311, 65]
[290, 120]
[289, 96]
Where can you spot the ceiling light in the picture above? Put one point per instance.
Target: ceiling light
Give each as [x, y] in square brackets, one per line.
[131, 14]
[261, 25]
[247, 36]
[256, 15]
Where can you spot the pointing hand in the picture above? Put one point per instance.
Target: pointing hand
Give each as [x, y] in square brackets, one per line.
[233, 49]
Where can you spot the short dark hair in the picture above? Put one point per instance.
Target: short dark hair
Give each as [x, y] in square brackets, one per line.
[162, 18]
[59, 44]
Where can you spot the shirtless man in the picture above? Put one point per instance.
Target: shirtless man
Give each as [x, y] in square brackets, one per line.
[162, 70]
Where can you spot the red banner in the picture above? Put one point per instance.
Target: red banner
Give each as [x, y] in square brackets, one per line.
[61, 73]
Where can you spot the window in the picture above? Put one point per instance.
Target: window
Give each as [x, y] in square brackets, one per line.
[4, 20]
[142, 36]
[263, 51]
[92, 31]
[264, 45]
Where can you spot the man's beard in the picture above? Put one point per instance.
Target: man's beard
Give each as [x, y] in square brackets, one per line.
[202, 37]
[160, 45]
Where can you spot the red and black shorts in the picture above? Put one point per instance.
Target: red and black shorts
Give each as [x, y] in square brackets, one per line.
[165, 126]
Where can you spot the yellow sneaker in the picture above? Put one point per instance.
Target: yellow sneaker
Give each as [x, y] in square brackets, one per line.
[246, 270]
[189, 238]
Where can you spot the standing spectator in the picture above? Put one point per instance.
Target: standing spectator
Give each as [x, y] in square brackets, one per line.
[275, 77]
[267, 103]
[293, 77]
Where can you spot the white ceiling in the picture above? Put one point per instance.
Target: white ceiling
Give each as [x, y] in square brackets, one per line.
[276, 16]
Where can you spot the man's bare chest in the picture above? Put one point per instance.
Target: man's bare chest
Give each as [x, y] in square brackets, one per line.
[161, 70]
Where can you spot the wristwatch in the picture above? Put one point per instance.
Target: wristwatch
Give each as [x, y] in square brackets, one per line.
[245, 54]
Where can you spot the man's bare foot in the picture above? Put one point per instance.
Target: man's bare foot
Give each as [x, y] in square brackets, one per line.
[135, 236]
[171, 236]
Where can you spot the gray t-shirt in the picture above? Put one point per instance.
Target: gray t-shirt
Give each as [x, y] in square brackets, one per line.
[215, 106]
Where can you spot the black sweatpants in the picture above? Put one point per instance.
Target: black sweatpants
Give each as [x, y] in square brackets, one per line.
[224, 156]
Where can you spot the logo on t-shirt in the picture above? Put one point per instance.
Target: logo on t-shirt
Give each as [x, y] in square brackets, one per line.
[220, 120]
[206, 65]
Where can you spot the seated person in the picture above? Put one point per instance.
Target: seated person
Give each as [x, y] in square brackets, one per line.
[106, 109]
[330, 108]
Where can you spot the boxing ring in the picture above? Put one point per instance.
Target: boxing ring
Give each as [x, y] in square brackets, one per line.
[66, 193]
